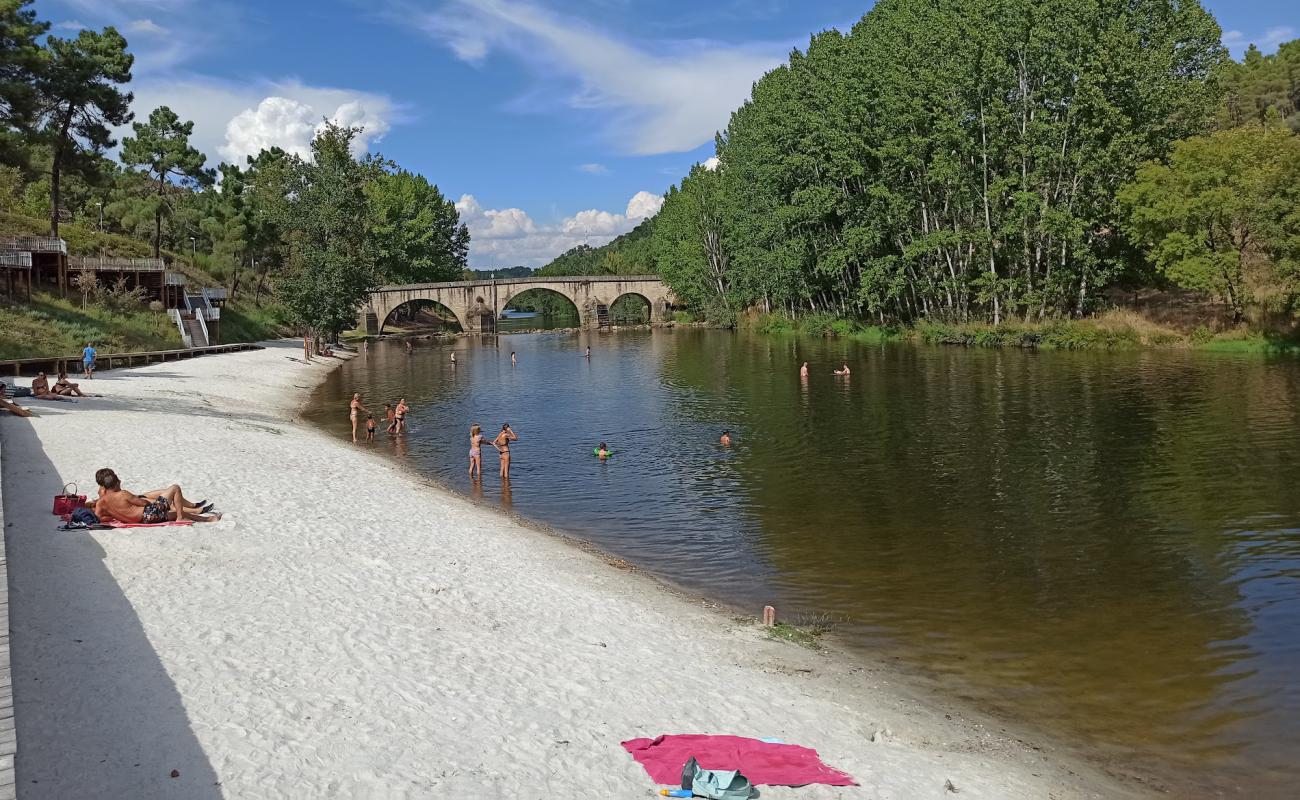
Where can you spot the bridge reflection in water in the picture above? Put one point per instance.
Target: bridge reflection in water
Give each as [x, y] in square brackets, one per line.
[476, 305]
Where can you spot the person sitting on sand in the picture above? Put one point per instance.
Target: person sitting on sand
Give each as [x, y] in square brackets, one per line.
[41, 389]
[370, 427]
[65, 387]
[167, 506]
[725, 439]
[10, 406]
[843, 371]
[602, 452]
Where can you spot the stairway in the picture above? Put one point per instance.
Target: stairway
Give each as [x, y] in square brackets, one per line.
[195, 331]
[602, 315]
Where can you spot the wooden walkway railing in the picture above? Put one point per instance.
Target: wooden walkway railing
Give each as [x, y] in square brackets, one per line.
[72, 364]
[8, 733]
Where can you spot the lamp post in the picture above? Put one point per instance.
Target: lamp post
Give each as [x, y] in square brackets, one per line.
[191, 249]
[101, 216]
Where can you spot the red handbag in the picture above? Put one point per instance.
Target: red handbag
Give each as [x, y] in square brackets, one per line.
[68, 501]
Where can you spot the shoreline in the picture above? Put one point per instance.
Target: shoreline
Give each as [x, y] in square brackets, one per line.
[425, 645]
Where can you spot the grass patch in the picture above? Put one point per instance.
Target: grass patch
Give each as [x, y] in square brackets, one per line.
[250, 323]
[804, 633]
[54, 326]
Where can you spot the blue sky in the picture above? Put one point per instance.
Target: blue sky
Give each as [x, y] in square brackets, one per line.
[552, 122]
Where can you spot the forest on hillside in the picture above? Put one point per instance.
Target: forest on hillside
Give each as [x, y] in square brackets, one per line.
[962, 161]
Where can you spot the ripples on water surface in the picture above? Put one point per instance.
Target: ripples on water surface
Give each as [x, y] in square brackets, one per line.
[1105, 545]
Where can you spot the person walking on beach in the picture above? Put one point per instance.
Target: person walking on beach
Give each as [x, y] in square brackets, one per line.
[502, 444]
[475, 452]
[88, 360]
[399, 415]
[355, 408]
[803, 371]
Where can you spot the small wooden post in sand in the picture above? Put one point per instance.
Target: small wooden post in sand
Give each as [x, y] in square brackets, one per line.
[769, 616]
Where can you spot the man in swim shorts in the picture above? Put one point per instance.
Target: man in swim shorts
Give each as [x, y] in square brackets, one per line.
[116, 503]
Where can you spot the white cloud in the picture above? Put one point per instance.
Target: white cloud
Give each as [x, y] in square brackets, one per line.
[594, 169]
[657, 103]
[146, 26]
[711, 163]
[644, 204]
[506, 237]
[71, 25]
[235, 120]
[1237, 42]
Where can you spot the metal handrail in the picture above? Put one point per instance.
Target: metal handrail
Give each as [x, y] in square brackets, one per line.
[203, 326]
[34, 244]
[115, 264]
[174, 278]
[21, 260]
[175, 314]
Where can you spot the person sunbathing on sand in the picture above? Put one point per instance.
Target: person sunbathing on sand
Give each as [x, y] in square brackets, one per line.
[11, 407]
[167, 505]
[41, 389]
[66, 387]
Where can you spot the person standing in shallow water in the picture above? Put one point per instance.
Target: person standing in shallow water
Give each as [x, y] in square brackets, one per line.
[803, 371]
[725, 439]
[355, 408]
[475, 452]
[453, 358]
[502, 444]
[513, 361]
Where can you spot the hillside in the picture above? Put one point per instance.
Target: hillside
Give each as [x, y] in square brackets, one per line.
[629, 254]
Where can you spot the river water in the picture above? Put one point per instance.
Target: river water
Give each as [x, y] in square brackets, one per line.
[1103, 545]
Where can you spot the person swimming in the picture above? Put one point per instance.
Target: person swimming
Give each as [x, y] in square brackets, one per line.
[725, 439]
[602, 452]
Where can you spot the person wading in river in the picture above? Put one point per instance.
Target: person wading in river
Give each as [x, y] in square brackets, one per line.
[502, 444]
[355, 408]
[475, 452]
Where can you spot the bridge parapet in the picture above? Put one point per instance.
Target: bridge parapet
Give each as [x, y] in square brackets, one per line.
[477, 304]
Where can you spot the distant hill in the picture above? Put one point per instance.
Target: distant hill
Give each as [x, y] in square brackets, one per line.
[629, 254]
[499, 272]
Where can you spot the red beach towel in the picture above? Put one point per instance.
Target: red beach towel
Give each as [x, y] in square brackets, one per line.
[761, 762]
[117, 523]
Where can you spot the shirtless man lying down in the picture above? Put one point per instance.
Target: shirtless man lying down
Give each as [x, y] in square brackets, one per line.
[165, 505]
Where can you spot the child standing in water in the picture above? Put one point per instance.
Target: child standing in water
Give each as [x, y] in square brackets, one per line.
[370, 427]
[475, 452]
[390, 417]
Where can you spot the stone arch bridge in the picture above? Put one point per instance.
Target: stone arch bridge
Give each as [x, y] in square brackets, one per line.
[478, 304]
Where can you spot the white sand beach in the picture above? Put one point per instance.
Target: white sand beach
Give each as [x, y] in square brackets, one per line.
[351, 631]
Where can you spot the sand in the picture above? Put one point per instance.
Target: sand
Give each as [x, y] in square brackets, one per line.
[349, 630]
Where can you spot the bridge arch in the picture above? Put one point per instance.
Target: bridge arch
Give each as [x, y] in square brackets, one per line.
[542, 294]
[628, 304]
[442, 309]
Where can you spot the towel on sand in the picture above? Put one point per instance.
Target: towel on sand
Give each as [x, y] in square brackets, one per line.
[761, 762]
[117, 523]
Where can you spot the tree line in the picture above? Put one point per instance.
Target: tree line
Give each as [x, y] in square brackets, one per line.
[988, 160]
[318, 231]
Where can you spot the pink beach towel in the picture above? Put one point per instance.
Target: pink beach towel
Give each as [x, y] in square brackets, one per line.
[761, 762]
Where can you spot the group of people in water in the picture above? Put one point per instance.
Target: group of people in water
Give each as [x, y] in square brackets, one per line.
[394, 417]
[502, 444]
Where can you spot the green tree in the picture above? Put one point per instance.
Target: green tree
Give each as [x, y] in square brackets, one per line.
[21, 60]
[80, 102]
[162, 147]
[324, 215]
[689, 240]
[1223, 215]
[1262, 85]
[417, 231]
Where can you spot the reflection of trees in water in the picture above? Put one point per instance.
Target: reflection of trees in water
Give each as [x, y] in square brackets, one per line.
[1052, 529]
[545, 302]
[630, 309]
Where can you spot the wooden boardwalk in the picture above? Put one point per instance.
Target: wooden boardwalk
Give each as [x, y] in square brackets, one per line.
[72, 364]
[8, 733]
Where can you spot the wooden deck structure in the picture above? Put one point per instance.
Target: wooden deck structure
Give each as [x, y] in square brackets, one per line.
[54, 364]
[16, 274]
[43, 262]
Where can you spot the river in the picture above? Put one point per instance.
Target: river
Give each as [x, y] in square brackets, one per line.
[1103, 545]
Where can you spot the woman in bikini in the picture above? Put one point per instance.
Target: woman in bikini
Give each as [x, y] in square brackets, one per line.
[475, 452]
[41, 389]
[400, 415]
[63, 386]
[353, 409]
[502, 444]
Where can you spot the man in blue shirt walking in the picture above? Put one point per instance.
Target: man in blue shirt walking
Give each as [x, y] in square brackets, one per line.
[88, 359]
